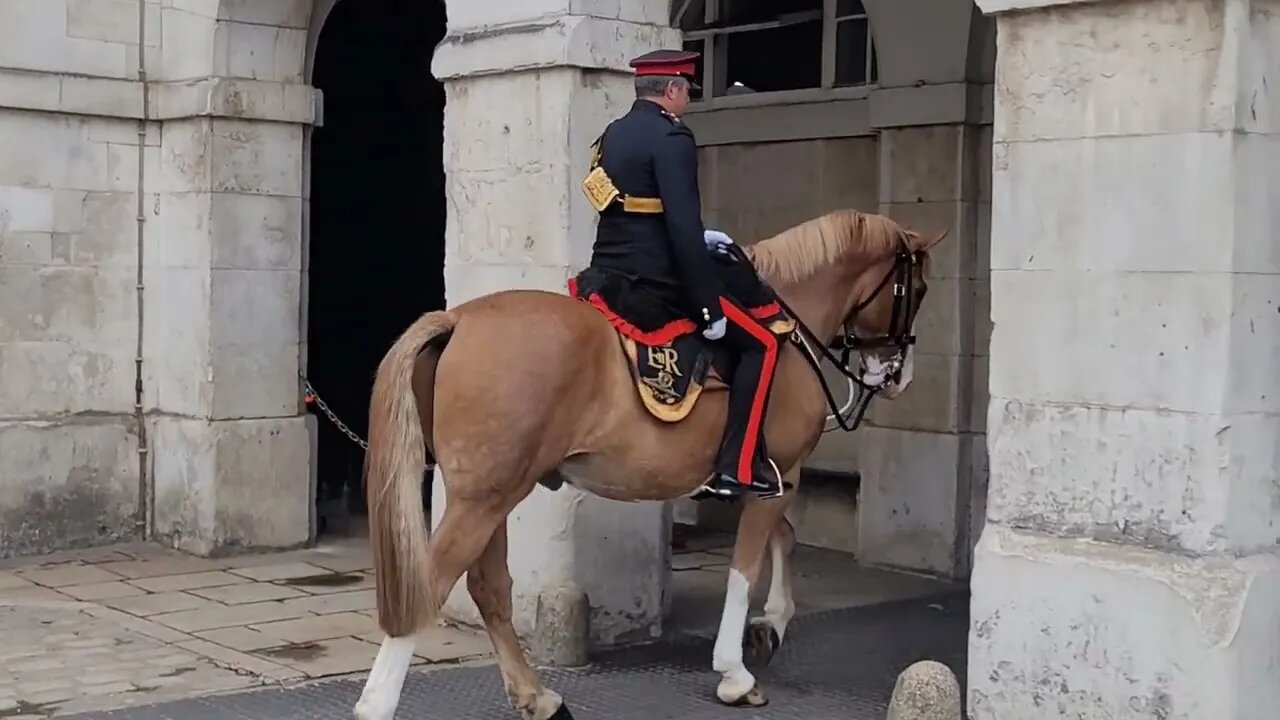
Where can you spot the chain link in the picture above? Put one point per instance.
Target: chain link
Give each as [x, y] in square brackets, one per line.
[324, 408]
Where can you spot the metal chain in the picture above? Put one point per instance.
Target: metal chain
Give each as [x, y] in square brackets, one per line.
[329, 413]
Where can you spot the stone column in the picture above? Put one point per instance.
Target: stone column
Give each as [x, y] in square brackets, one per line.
[1128, 568]
[922, 456]
[223, 271]
[528, 90]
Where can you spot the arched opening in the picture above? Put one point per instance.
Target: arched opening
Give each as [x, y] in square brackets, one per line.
[377, 218]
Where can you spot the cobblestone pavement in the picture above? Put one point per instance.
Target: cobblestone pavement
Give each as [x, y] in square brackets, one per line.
[138, 624]
[833, 665]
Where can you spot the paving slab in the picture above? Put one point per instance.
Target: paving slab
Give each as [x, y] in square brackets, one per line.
[834, 665]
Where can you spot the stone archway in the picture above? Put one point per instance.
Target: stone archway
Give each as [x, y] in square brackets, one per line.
[375, 238]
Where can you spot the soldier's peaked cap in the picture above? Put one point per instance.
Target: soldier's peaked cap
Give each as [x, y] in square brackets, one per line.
[671, 63]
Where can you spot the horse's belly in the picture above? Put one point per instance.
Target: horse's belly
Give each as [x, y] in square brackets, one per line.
[629, 479]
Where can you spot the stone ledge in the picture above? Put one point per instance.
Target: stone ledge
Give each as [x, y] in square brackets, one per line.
[123, 99]
[566, 41]
[1055, 630]
[995, 7]
[236, 98]
[943, 104]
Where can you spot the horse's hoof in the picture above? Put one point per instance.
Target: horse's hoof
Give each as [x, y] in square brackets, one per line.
[754, 698]
[562, 714]
[761, 641]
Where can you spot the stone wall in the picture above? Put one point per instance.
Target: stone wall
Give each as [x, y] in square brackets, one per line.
[68, 262]
[218, 228]
[1129, 568]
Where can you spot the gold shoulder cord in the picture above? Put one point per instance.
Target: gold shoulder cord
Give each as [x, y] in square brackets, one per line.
[601, 192]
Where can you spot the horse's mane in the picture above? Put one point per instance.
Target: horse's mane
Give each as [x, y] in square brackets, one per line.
[795, 254]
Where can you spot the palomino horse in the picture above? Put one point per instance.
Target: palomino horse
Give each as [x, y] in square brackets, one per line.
[524, 387]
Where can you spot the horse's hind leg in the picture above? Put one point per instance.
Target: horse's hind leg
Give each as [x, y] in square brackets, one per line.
[755, 528]
[489, 582]
[765, 633]
[463, 534]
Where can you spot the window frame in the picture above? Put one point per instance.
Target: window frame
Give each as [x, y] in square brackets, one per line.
[714, 89]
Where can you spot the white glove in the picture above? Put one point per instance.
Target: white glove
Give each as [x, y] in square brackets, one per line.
[716, 241]
[715, 331]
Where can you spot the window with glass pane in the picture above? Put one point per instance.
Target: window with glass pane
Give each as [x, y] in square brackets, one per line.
[771, 59]
[742, 12]
[855, 54]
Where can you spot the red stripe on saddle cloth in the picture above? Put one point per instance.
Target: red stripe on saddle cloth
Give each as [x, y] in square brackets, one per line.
[654, 338]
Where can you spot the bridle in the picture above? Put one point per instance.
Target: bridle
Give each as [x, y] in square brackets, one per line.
[902, 277]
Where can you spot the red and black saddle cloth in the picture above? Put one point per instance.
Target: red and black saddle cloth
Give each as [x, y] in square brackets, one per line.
[670, 360]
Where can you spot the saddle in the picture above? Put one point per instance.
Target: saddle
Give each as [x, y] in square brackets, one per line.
[670, 362]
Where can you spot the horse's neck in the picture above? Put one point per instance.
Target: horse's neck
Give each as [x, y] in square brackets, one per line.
[820, 301]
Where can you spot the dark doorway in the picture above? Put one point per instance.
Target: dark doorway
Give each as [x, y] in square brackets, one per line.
[377, 217]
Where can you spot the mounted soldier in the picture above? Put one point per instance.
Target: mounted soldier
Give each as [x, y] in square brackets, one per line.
[653, 271]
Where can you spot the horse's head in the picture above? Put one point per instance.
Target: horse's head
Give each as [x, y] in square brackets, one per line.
[887, 295]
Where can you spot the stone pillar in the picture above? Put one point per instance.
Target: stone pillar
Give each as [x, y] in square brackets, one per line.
[528, 90]
[921, 454]
[1129, 564]
[223, 271]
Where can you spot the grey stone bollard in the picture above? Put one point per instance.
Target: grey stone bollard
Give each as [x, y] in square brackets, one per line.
[562, 627]
[927, 690]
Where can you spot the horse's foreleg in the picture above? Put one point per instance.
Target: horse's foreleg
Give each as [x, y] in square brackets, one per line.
[765, 634]
[463, 534]
[756, 526]
[489, 582]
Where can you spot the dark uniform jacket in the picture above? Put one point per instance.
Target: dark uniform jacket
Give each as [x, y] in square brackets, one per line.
[653, 268]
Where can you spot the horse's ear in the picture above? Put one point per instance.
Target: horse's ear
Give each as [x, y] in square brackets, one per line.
[928, 244]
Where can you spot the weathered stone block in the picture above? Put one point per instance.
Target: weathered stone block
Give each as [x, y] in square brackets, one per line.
[188, 41]
[464, 282]
[1184, 366]
[256, 232]
[110, 20]
[237, 484]
[909, 498]
[254, 380]
[1176, 480]
[186, 155]
[932, 403]
[67, 483]
[109, 234]
[1163, 203]
[1140, 67]
[176, 347]
[81, 306]
[921, 164]
[26, 209]
[255, 157]
[281, 13]
[26, 248]
[178, 235]
[34, 36]
[254, 306]
[1055, 631]
[260, 52]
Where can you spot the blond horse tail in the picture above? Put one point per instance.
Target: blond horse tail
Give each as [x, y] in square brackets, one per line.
[394, 466]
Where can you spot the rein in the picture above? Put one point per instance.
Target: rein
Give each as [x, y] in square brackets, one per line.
[901, 338]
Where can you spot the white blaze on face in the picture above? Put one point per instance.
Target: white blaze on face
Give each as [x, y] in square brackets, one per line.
[874, 370]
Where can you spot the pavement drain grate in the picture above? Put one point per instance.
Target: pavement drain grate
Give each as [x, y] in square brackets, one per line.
[835, 664]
